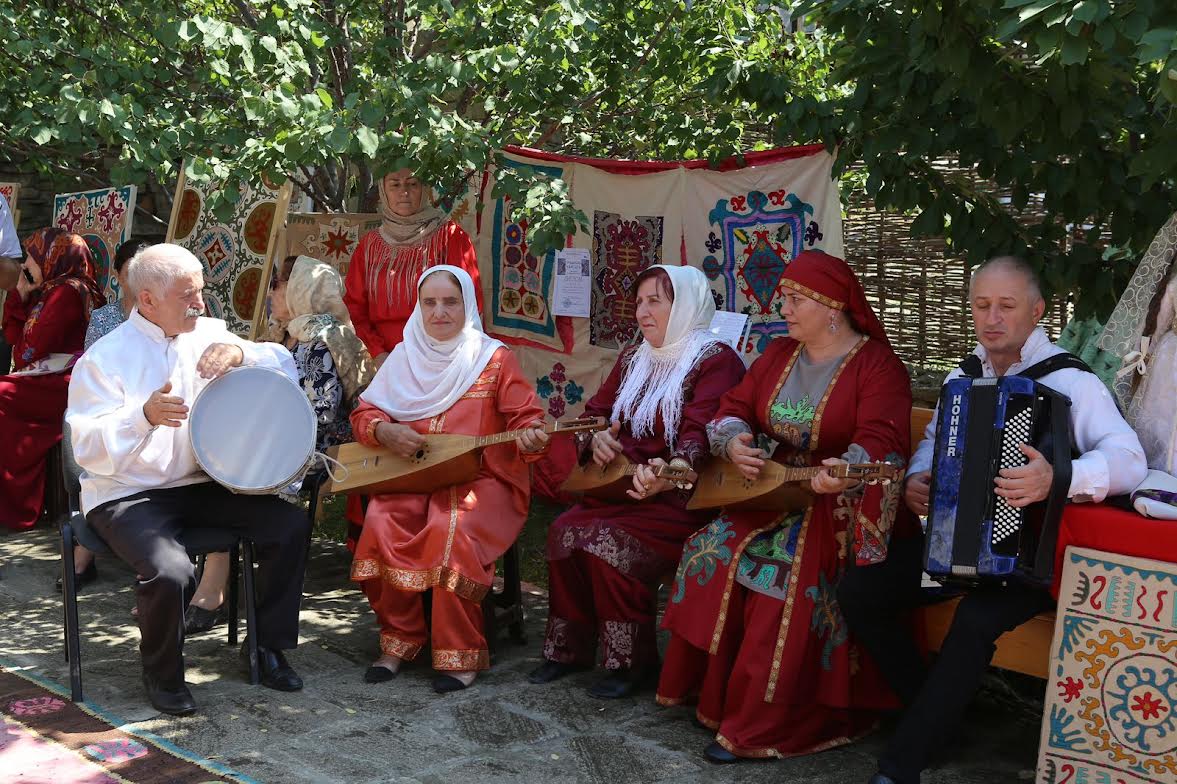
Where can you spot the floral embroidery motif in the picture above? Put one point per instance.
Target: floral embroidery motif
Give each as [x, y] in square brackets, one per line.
[560, 641]
[702, 553]
[461, 660]
[619, 638]
[827, 619]
[35, 706]
[392, 645]
[766, 562]
[612, 545]
[115, 751]
[801, 412]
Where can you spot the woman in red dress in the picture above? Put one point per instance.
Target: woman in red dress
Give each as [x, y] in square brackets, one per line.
[447, 376]
[605, 559]
[380, 290]
[45, 320]
[758, 643]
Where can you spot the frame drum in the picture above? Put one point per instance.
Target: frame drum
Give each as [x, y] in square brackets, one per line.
[253, 430]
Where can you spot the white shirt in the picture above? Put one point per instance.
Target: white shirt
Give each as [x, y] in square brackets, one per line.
[9, 243]
[119, 451]
[1111, 459]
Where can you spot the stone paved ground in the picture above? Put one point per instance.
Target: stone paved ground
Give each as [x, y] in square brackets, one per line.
[341, 730]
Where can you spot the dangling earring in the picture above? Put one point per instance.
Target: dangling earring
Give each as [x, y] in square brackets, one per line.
[833, 324]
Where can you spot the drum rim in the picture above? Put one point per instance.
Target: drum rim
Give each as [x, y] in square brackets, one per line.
[311, 446]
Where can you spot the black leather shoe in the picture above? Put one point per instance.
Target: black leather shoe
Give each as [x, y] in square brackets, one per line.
[879, 778]
[444, 684]
[82, 578]
[198, 620]
[276, 672]
[620, 683]
[552, 670]
[172, 700]
[378, 674]
[719, 755]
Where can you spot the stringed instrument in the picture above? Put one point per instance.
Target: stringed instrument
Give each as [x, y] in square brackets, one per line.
[610, 482]
[779, 487]
[445, 460]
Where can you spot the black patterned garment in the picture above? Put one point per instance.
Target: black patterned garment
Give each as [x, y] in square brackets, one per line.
[321, 383]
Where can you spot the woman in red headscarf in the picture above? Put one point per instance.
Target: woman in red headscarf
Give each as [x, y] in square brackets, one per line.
[758, 643]
[45, 320]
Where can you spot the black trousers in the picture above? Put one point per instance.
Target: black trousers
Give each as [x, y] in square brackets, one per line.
[874, 600]
[142, 530]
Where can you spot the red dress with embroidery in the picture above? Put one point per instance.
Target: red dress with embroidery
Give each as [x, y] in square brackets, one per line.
[32, 406]
[777, 675]
[381, 284]
[448, 540]
[605, 558]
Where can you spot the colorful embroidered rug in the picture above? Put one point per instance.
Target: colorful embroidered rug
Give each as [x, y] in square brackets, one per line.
[46, 738]
[1111, 706]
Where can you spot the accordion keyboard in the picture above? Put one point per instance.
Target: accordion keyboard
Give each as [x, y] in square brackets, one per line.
[1006, 519]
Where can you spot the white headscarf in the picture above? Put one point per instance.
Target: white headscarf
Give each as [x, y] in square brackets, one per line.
[653, 381]
[423, 377]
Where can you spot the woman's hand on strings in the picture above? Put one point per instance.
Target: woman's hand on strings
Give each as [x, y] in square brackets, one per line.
[533, 439]
[824, 484]
[743, 455]
[646, 482]
[606, 447]
[400, 439]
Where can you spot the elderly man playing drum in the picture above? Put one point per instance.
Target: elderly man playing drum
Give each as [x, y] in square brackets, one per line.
[141, 485]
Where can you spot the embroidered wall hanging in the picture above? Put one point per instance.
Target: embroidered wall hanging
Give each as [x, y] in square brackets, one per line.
[1111, 702]
[327, 236]
[237, 254]
[104, 218]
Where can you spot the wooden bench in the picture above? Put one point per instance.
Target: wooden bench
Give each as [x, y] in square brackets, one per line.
[1026, 649]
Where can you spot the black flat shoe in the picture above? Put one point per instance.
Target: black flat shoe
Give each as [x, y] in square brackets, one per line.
[621, 683]
[276, 673]
[719, 755]
[82, 578]
[198, 620]
[444, 684]
[169, 699]
[553, 670]
[378, 674]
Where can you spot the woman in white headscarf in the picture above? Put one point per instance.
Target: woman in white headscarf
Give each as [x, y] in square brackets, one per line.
[604, 559]
[446, 376]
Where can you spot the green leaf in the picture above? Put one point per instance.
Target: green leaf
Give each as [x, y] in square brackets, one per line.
[1074, 51]
[369, 141]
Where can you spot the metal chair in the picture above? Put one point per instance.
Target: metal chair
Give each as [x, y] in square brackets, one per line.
[197, 541]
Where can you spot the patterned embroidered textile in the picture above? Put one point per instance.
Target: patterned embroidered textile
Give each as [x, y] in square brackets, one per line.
[102, 321]
[619, 639]
[104, 219]
[233, 252]
[766, 561]
[330, 236]
[611, 544]
[462, 660]
[1111, 709]
[621, 250]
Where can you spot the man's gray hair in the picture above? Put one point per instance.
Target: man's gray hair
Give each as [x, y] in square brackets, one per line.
[155, 268]
[1014, 264]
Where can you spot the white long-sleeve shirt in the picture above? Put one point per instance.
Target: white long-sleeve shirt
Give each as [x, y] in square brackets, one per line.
[120, 453]
[1111, 459]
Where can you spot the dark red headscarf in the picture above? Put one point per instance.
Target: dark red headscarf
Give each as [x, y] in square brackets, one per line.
[65, 260]
[829, 280]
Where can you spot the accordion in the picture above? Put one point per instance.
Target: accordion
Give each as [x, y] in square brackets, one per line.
[974, 535]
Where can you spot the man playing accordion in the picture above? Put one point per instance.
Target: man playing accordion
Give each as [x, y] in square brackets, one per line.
[1007, 304]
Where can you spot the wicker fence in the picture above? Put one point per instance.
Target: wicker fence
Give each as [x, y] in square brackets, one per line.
[919, 292]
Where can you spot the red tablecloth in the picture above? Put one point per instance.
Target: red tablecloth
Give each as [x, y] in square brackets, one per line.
[1102, 527]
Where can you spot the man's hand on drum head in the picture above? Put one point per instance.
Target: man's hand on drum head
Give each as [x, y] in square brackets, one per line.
[218, 359]
[400, 439]
[747, 458]
[164, 409]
